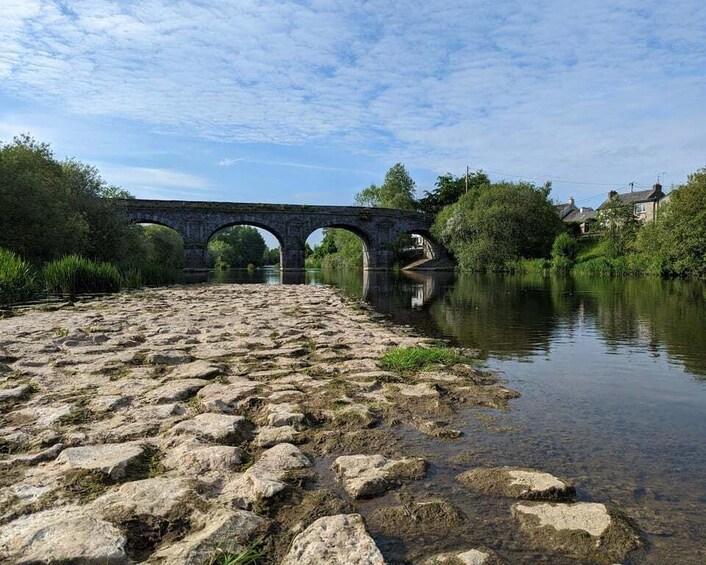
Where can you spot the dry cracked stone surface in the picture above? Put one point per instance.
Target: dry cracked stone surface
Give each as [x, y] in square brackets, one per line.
[164, 425]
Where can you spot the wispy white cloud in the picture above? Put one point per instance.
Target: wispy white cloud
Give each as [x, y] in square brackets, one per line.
[274, 163]
[129, 177]
[596, 90]
[230, 162]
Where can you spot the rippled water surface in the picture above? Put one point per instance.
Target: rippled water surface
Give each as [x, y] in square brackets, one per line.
[613, 381]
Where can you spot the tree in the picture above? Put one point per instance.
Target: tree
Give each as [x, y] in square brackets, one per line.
[271, 256]
[109, 237]
[50, 208]
[37, 211]
[618, 226]
[238, 246]
[164, 246]
[449, 189]
[676, 242]
[397, 191]
[499, 223]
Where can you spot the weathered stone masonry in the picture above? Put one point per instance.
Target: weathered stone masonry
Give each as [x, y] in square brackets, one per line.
[197, 222]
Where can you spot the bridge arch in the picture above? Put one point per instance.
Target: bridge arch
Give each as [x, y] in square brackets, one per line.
[431, 248]
[246, 223]
[165, 223]
[364, 237]
[255, 224]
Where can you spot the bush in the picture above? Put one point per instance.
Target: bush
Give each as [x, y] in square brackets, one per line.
[497, 224]
[74, 275]
[18, 280]
[564, 250]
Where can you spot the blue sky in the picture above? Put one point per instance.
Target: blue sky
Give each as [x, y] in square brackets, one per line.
[311, 101]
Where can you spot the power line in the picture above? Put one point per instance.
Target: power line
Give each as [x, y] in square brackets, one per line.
[552, 179]
[600, 194]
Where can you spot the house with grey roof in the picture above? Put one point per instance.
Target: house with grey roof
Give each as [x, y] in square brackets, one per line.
[645, 202]
[582, 217]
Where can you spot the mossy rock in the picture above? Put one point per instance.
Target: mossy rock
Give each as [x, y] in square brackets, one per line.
[583, 530]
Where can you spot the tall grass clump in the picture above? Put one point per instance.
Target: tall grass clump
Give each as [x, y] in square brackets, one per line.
[160, 275]
[18, 280]
[528, 266]
[72, 275]
[599, 266]
[564, 251]
[418, 358]
[150, 274]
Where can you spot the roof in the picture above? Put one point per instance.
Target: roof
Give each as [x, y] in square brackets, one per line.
[564, 210]
[581, 215]
[651, 195]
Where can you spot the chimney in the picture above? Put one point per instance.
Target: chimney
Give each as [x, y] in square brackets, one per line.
[571, 200]
[612, 194]
[657, 191]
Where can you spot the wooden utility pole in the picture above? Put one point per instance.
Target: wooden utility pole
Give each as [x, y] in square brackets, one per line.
[466, 179]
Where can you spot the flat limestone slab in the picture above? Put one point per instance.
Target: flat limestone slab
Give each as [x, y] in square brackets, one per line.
[223, 529]
[585, 530]
[468, 557]
[113, 459]
[14, 393]
[63, 535]
[179, 389]
[366, 476]
[515, 482]
[267, 436]
[266, 477]
[334, 540]
[157, 497]
[196, 370]
[218, 428]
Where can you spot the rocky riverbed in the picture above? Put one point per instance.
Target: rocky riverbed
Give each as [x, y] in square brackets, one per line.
[185, 425]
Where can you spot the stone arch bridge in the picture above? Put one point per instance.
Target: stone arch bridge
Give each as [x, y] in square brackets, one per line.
[290, 224]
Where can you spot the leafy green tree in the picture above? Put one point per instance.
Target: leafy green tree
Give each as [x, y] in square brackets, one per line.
[499, 223]
[239, 246]
[449, 189]
[164, 246]
[397, 191]
[349, 251]
[271, 256]
[676, 242]
[618, 227]
[49, 208]
[218, 251]
[38, 219]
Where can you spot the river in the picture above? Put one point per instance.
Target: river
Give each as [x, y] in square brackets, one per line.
[612, 375]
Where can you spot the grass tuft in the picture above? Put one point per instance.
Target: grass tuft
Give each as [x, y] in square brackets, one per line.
[419, 358]
[18, 280]
[248, 556]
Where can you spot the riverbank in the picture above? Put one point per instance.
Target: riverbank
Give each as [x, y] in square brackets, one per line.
[168, 425]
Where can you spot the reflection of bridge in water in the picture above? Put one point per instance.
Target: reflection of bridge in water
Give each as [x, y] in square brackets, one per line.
[291, 225]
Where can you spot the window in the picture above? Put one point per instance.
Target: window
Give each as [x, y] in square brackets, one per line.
[640, 208]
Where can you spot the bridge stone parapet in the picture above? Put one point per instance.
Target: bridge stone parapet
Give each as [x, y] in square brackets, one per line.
[290, 224]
